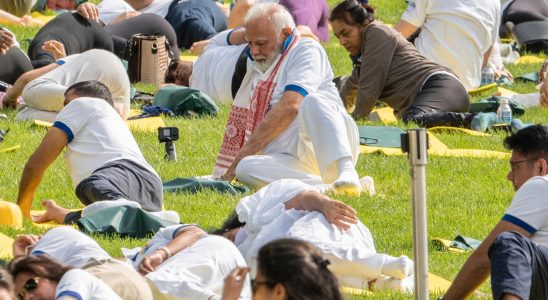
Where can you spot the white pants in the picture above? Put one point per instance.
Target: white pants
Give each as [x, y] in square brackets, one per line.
[308, 150]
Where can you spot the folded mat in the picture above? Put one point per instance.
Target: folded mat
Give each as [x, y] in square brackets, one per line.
[436, 147]
[6, 244]
[194, 185]
[149, 124]
[458, 245]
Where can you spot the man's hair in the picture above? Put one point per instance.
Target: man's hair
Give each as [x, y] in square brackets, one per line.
[230, 223]
[169, 76]
[531, 142]
[273, 11]
[38, 265]
[6, 282]
[91, 88]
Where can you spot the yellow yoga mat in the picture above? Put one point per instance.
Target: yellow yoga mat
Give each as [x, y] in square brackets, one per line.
[191, 58]
[436, 284]
[384, 115]
[530, 59]
[150, 124]
[10, 149]
[42, 18]
[483, 89]
[6, 244]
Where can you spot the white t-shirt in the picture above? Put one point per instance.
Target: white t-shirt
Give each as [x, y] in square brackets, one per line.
[81, 285]
[95, 64]
[109, 10]
[96, 135]
[529, 209]
[212, 72]
[456, 34]
[305, 69]
[197, 272]
[159, 7]
[70, 246]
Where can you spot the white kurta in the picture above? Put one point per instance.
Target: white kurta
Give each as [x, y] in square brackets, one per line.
[197, 272]
[352, 253]
[322, 133]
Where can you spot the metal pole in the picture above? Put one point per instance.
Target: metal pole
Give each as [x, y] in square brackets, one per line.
[417, 146]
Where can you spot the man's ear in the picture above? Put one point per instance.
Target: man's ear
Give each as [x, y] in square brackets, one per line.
[543, 166]
[286, 32]
[279, 291]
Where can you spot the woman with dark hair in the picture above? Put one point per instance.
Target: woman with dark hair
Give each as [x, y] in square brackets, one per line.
[389, 68]
[41, 277]
[288, 269]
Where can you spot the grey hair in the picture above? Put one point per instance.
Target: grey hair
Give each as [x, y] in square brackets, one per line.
[277, 13]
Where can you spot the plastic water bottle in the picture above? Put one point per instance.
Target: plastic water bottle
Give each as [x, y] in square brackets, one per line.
[488, 75]
[504, 112]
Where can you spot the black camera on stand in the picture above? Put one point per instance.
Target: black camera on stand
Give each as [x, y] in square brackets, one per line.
[169, 135]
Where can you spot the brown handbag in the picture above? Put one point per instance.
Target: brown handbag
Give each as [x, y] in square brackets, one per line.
[148, 58]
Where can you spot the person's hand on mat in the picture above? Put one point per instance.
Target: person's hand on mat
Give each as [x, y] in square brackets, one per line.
[152, 261]
[56, 48]
[230, 174]
[27, 20]
[339, 214]
[24, 243]
[197, 48]
[234, 283]
[7, 40]
[88, 10]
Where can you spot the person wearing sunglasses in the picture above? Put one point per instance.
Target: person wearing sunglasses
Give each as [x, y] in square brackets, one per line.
[515, 252]
[287, 269]
[41, 277]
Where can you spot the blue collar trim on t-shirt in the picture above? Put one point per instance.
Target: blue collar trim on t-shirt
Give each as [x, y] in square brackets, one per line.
[70, 294]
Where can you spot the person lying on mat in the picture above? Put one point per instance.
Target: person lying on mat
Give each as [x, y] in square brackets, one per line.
[390, 69]
[515, 252]
[181, 260]
[13, 60]
[84, 253]
[43, 89]
[102, 157]
[287, 119]
[42, 277]
[289, 208]
[287, 269]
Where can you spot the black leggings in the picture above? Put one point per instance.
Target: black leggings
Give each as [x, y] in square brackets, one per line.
[13, 64]
[145, 24]
[76, 33]
[442, 101]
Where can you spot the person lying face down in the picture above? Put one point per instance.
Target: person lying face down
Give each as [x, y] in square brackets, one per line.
[287, 269]
[42, 277]
[289, 208]
[102, 157]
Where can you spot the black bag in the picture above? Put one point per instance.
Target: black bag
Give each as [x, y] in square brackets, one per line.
[148, 57]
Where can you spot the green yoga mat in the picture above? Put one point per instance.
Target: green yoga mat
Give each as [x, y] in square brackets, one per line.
[194, 185]
[380, 136]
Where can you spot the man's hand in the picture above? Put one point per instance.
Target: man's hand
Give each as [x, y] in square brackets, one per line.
[23, 243]
[197, 48]
[7, 40]
[88, 10]
[151, 262]
[230, 173]
[56, 48]
[339, 214]
[234, 283]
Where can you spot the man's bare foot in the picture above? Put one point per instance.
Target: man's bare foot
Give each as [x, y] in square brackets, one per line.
[53, 212]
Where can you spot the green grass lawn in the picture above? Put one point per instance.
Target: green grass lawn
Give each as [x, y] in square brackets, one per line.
[466, 196]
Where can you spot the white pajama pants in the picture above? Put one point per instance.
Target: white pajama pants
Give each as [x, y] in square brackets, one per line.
[308, 150]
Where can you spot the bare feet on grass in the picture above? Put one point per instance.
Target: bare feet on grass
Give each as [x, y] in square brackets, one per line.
[53, 212]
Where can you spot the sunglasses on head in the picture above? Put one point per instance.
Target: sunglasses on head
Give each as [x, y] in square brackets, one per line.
[30, 285]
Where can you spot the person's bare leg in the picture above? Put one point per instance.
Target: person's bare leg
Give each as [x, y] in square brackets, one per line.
[510, 297]
[53, 212]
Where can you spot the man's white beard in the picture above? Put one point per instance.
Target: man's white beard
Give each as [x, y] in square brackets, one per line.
[266, 62]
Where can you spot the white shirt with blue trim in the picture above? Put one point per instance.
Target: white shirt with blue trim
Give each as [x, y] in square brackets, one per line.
[96, 135]
[81, 285]
[529, 209]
